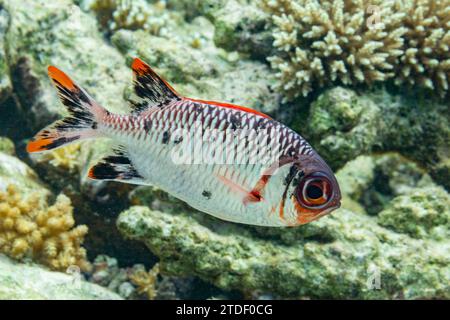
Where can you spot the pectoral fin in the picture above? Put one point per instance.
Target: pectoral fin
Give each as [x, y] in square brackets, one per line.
[248, 196]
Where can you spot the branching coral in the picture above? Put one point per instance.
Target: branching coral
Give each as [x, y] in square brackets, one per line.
[351, 42]
[146, 281]
[64, 158]
[29, 228]
[133, 15]
[426, 57]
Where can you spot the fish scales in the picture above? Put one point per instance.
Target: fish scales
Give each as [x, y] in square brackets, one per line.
[229, 161]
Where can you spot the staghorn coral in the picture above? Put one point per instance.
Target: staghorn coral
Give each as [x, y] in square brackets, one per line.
[29, 228]
[146, 281]
[426, 57]
[348, 42]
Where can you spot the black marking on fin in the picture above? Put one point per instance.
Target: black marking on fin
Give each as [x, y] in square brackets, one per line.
[151, 90]
[117, 166]
[59, 142]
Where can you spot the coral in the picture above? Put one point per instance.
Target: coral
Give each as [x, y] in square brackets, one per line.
[381, 226]
[14, 171]
[345, 42]
[30, 228]
[5, 83]
[133, 15]
[205, 72]
[19, 281]
[342, 125]
[59, 34]
[421, 213]
[334, 257]
[65, 158]
[7, 146]
[146, 281]
[373, 181]
[106, 272]
[134, 282]
[426, 57]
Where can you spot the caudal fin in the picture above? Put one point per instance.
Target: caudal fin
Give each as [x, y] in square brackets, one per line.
[80, 124]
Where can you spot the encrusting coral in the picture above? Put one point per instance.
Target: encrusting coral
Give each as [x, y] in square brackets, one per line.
[353, 42]
[29, 228]
[65, 158]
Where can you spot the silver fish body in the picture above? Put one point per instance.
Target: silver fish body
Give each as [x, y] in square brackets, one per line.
[231, 162]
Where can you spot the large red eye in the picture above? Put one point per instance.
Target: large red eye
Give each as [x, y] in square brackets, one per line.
[314, 191]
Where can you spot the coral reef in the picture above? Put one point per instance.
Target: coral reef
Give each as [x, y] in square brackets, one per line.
[342, 125]
[65, 158]
[31, 229]
[14, 171]
[349, 42]
[380, 227]
[19, 281]
[133, 15]
[58, 34]
[389, 239]
[205, 71]
[426, 57]
[5, 83]
[136, 283]
[421, 213]
[146, 281]
[233, 257]
[7, 146]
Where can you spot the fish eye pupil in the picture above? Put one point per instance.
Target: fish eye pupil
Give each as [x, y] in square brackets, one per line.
[314, 191]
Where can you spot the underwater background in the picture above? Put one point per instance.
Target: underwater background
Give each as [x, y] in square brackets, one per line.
[365, 82]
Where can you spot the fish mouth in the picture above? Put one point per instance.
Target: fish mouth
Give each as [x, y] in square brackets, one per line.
[311, 218]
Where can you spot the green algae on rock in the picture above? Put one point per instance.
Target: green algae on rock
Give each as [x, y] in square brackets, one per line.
[7, 146]
[204, 72]
[20, 281]
[343, 124]
[5, 83]
[373, 181]
[233, 257]
[14, 171]
[421, 213]
[40, 34]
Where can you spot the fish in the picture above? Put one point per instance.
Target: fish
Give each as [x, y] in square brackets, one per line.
[232, 162]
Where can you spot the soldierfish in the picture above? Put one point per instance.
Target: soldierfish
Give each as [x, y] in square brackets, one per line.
[232, 162]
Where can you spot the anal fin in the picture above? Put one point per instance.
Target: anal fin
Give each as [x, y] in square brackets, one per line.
[116, 167]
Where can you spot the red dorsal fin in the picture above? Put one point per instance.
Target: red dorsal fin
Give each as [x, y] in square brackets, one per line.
[151, 90]
[229, 105]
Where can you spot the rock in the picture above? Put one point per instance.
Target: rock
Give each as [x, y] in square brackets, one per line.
[5, 83]
[14, 171]
[200, 69]
[373, 181]
[20, 281]
[240, 26]
[343, 124]
[339, 256]
[42, 34]
[7, 146]
[421, 213]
